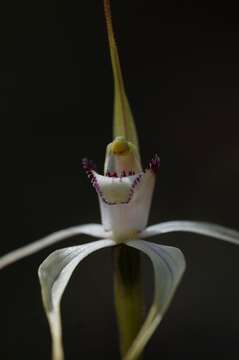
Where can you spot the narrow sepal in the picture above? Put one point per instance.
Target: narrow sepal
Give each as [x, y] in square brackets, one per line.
[169, 265]
[123, 124]
[197, 227]
[95, 230]
[54, 274]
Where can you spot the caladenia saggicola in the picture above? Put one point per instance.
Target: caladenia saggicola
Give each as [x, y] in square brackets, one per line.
[124, 192]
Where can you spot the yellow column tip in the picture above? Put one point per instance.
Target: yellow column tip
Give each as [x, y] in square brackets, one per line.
[120, 146]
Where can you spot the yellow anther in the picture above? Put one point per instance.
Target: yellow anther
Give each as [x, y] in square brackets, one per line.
[120, 146]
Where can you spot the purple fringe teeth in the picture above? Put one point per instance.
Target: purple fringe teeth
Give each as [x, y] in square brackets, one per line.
[88, 165]
[123, 174]
[154, 164]
[90, 168]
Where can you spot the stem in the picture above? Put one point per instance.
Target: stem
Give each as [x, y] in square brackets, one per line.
[128, 291]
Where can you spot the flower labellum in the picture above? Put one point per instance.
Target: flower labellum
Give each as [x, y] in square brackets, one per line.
[125, 191]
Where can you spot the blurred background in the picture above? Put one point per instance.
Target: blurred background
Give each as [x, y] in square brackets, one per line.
[180, 64]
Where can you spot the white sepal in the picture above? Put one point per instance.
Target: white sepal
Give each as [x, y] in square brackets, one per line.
[54, 274]
[169, 265]
[197, 227]
[95, 230]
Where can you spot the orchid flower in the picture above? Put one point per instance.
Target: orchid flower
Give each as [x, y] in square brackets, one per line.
[124, 192]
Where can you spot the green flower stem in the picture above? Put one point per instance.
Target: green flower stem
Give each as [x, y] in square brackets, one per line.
[128, 291]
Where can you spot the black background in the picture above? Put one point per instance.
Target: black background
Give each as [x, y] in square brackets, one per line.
[180, 64]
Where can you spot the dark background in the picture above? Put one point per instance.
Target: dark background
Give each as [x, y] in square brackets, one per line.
[180, 64]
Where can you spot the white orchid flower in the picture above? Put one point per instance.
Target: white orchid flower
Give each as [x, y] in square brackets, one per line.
[124, 191]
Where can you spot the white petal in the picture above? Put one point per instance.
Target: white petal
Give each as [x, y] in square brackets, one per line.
[95, 230]
[54, 274]
[132, 217]
[169, 265]
[197, 227]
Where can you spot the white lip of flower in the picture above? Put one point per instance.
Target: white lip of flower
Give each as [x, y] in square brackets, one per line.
[124, 195]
